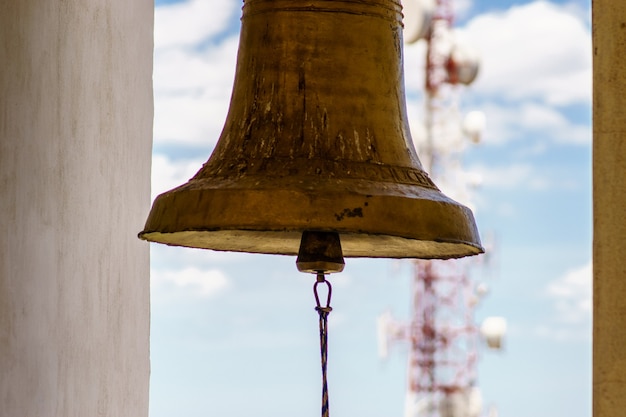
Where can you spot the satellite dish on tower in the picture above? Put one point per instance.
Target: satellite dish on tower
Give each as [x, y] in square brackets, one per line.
[474, 125]
[463, 64]
[493, 330]
[418, 15]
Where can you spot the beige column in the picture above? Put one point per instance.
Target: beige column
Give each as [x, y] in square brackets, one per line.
[75, 144]
[609, 207]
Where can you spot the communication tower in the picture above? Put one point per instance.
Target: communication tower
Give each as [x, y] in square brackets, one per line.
[442, 335]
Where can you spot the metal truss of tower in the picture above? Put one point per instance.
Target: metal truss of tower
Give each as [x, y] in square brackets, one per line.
[443, 342]
[442, 332]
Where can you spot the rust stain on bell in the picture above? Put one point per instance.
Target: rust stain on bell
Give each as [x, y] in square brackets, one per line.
[317, 124]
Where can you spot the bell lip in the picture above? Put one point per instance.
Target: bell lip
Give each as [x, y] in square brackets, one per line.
[254, 214]
[437, 249]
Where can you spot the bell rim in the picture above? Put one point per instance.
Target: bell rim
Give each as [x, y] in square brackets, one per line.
[223, 215]
[451, 249]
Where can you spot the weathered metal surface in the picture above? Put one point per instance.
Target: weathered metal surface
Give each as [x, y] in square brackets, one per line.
[316, 138]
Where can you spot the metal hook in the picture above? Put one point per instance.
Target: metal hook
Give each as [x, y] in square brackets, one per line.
[321, 278]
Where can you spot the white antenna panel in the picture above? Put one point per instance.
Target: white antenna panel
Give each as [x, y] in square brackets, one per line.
[418, 15]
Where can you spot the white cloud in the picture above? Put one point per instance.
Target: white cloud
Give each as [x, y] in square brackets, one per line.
[561, 334]
[179, 70]
[189, 23]
[537, 50]
[510, 176]
[506, 123]
[546, 62]
[572, 295]
[168, 174]
[536, 58]
[191, 280]
[193, 74]
[189, 119]
[462, 8]
[192, 92]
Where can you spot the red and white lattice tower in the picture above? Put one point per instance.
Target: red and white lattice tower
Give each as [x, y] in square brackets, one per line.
[443, 340]
[442, 334]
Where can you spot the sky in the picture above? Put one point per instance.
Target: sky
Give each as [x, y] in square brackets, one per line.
[236, 334]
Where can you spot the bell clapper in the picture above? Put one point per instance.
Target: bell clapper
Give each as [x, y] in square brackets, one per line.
[320, 253]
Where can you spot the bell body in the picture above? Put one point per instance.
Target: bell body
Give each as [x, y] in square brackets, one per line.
[316, 138]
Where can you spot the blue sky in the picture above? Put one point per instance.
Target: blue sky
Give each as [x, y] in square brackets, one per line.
[236, 334]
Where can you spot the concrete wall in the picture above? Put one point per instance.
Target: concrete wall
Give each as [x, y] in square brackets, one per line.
[75, 143]
[609, 207]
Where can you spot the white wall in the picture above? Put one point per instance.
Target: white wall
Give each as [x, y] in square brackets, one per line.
[75, 143]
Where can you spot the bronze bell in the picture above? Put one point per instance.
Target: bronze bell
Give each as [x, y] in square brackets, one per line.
[316, 139]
